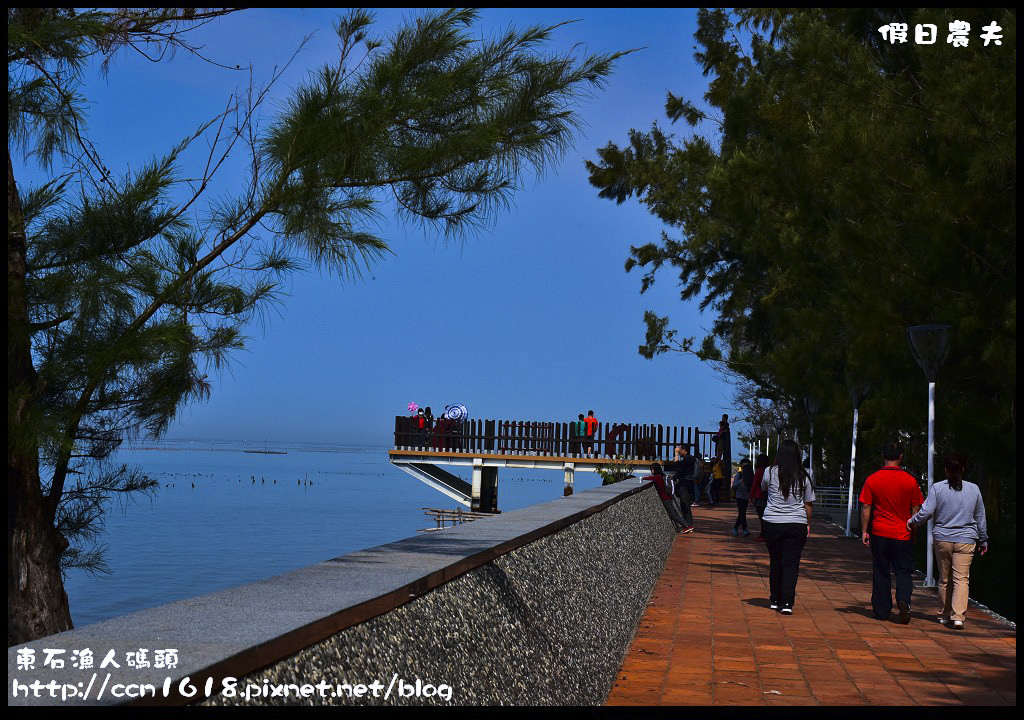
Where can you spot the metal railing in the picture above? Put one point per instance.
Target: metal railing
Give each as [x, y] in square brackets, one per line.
[557, 439]
[833, 497]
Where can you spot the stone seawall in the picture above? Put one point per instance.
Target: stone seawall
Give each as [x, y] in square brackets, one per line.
[533, 606]
[547, 623]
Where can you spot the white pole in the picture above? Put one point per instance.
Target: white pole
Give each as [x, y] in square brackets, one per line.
[811, 464]
[768, 444]
[929, 580]
[853, 466]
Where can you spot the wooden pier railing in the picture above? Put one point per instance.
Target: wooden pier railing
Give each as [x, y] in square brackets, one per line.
[555, 439]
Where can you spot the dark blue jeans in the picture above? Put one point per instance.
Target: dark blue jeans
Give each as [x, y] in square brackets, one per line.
[741, 517]
[889, 555]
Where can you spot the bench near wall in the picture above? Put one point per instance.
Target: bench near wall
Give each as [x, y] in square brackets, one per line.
[533, 606]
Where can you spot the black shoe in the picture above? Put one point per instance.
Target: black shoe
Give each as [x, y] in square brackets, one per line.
[904, 607]
[787, 609]
[773, 604]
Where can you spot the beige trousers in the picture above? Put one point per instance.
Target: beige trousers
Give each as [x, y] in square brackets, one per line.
[954, 570]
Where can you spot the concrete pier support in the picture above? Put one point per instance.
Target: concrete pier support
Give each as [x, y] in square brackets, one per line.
[570, 470]
[485, 487]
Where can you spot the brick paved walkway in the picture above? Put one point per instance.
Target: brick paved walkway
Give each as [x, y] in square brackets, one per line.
[831, 651]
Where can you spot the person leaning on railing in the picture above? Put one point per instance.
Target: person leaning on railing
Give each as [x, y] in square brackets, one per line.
[657, 476]
[959, 531]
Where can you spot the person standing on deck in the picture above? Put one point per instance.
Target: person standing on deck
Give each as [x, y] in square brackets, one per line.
[576, 432]
[421, 428]
[890, 497]
[723, 442]
[591, 431]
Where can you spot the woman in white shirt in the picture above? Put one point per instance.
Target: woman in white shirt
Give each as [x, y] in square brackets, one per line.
[786, 522]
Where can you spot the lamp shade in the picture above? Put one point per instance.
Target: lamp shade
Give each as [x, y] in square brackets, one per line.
[859, 391]
[811, 405]
[930, 346]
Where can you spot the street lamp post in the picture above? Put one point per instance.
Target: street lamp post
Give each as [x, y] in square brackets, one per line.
[780, 425]
[811, 406]
[930, 346]
[858, 392]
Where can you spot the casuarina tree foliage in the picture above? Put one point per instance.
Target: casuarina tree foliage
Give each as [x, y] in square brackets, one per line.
[834, 188]
[124, 291]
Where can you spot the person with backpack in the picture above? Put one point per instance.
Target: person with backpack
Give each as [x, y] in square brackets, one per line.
[741, 486]
[577, 430]
[682, 477]
[657, 477]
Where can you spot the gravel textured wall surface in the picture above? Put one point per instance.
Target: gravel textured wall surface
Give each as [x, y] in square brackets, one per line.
[546, 624]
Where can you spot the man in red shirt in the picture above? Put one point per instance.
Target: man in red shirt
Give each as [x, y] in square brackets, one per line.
[591, 429]
[889, 498]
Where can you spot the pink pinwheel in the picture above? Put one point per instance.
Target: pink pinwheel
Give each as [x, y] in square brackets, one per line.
[413, 407]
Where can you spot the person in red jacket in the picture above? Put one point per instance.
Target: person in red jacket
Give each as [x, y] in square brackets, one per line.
[890, 497]
[657, 476]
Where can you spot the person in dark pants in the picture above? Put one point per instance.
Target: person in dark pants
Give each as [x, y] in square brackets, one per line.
[741, 485]
[719, 474]
[657, 476]
[683, 466]
[757, 496]
[723, 442]
[696, 480]
[890, 497]
[787, 523]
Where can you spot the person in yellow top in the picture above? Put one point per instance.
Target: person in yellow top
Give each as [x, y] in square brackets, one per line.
[717, 476]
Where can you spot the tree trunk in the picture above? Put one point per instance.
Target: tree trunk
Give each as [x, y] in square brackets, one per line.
[36, 602]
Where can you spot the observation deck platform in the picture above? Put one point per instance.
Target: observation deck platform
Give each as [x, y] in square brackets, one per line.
[487, 445]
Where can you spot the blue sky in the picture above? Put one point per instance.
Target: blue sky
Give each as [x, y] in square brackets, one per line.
[532, 318]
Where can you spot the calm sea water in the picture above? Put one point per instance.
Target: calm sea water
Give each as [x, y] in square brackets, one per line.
[223, 517]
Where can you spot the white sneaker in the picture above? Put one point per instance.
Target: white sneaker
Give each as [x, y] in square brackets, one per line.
[958, 624]
[943, 620]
